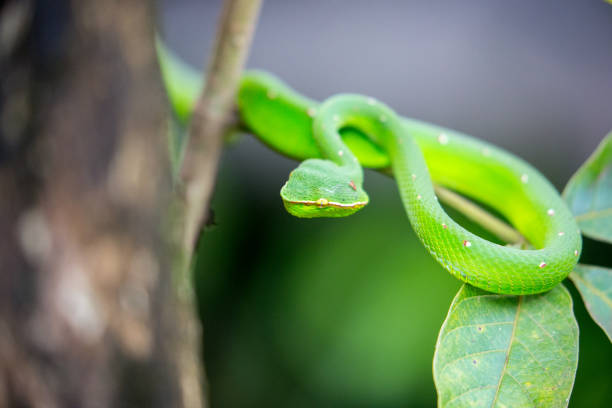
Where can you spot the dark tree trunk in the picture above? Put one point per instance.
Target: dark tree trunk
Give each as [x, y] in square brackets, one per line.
[86, 305]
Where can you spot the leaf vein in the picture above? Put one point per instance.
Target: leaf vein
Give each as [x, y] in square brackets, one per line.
[557, 383]
[589, 285]
[594, 214]
[474, 325]
[482, 387]
[488, 295]
[504, 369]
[479, 353]
[549, 335]
[553, 307]
[523, 388]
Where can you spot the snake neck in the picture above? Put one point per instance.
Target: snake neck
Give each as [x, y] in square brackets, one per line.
[365, 115]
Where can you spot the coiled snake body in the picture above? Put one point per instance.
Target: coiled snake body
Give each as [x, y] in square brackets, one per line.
[346, 131]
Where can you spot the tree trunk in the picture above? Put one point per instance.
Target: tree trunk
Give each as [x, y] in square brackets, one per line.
[86, 302]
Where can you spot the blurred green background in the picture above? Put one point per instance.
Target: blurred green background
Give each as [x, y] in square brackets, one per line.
[340, 312]
[345, 312]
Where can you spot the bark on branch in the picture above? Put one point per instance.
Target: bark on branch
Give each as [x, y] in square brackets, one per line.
[213, 111]
[209, 123]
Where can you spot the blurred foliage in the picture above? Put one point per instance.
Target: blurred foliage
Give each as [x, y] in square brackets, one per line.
[341, 313]
[589, 193]
[595, 286]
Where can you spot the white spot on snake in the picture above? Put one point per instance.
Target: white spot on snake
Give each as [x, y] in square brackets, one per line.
[419, 197]
[550, 212]
[524, 178]
[271, 94]
[443, 138]
[311, 112]
[486, 151]
[542, 264]
[561, 233]
[340, 153]
[383, 118]
[413, 176]
[436, 197]
[371, 101]
[575, 252]
[467, 243]
[322, 202]
[444, 226]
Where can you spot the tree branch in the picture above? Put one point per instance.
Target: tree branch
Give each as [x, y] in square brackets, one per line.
[209, 123]
[213, 111]
[480, 216]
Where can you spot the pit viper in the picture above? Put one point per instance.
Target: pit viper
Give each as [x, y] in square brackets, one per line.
[335, 138]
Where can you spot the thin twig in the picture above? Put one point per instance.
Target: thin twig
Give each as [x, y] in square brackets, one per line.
[213, 111]
[479, 215]
[476, 214]
[209, 123]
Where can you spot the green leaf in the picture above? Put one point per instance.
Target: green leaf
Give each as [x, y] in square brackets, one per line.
[589, 193]
[507, 351]
[595, 285]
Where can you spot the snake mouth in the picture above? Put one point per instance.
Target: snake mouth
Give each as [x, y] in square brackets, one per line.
[323, 203]
[321, 208]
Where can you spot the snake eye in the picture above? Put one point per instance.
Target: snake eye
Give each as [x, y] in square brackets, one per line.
[322, 202]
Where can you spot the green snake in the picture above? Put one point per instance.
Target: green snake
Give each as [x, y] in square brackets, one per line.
[339, 136]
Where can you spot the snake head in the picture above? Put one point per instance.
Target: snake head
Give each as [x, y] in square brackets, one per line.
[321, 188]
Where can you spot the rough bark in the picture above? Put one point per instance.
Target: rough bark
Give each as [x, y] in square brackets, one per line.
[86, 301]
